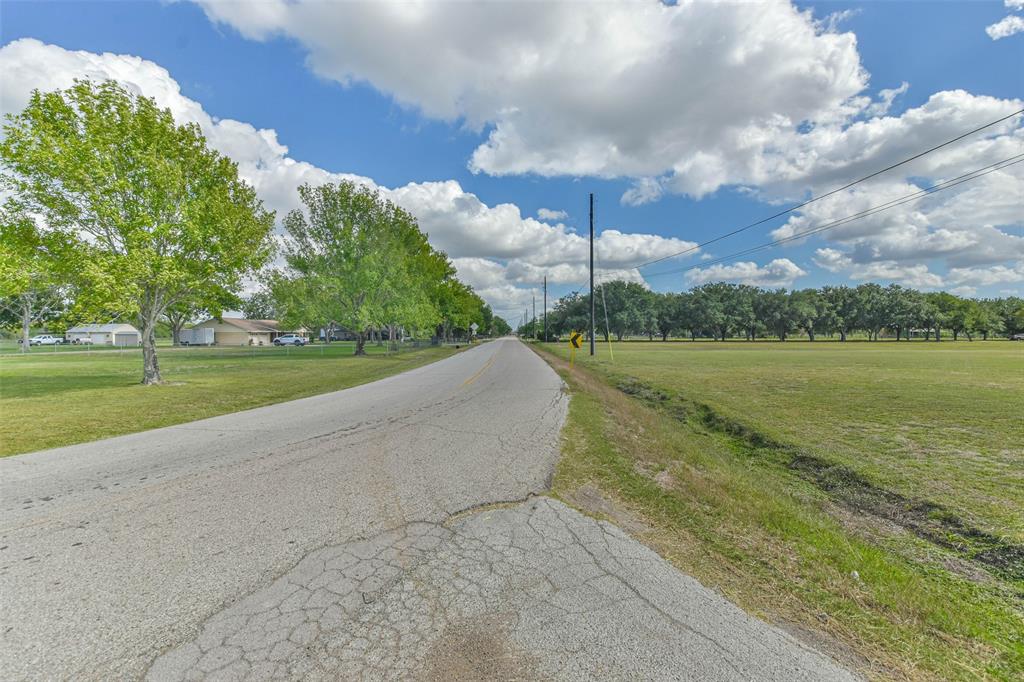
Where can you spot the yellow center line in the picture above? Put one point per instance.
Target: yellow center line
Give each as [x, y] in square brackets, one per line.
[480, 371]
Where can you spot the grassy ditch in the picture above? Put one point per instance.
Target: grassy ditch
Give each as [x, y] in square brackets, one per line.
[50, 400]
[893, 584]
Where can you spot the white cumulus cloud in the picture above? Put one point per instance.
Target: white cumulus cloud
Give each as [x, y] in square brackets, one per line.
[1005, 27]
[495, 248]
[780, 272]
[1010, 24]
[604, 89]
[551, 214]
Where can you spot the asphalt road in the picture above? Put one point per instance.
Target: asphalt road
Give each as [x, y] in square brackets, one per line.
[353, 535]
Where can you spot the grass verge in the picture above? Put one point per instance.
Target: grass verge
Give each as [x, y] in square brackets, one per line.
[60, 399]
[875, 594]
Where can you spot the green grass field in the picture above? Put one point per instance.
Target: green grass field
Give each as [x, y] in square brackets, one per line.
[49, 399]
[871, 494]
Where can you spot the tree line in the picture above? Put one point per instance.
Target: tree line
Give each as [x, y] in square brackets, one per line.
[722, 310]
[115, 211]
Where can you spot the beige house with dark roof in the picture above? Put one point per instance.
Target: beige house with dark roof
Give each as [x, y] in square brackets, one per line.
[236, 331]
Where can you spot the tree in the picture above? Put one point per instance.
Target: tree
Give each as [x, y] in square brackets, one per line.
[932, 315]
[184, 312]
[718, 309]
[1010, 312]
[812, 312]
[177, 316]
[844, 304]
[570, 313]
[630, 308]
[988, 320]
[961, 316]
[499, 327]
[713, 305]
[360, 262]
[259, 306]
[461, 307]
[668, 313]
[775, 312]
[31, 289]
[742, 308]
[873, 309]
[904, 309]
[157, 218]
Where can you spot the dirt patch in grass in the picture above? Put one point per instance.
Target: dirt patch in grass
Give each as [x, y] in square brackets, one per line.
[927, 520]
[591, 500]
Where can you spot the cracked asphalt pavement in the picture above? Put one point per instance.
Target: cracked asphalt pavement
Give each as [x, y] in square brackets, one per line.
[388, 531]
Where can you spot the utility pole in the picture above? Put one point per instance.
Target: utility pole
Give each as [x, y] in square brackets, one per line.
[592, 327]
[545, 308]
[535, 317]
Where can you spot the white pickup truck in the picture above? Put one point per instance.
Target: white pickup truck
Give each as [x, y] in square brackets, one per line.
[46, 340]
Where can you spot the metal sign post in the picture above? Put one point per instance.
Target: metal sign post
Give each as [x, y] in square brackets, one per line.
[575, 342]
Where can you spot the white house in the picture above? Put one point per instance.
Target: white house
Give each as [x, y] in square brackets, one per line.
[114, 334]
[235, 331]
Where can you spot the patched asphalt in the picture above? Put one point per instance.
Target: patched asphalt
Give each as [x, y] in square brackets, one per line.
[329, 538]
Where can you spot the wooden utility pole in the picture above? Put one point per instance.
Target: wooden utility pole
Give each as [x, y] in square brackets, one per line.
[545, 308]
[592, 327]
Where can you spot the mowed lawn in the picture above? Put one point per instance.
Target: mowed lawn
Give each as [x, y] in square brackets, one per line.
[50, 399]
[871, 494]
[943, 421]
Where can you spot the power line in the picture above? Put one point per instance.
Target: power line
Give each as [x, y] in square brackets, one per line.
[947, 184]
[913, 196]
[831, 192]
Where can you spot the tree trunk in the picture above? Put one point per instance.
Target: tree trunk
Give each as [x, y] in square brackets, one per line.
[842, 335]
[361, 343]
[150, 366]
[956, 334]
[26, 323]
[664, 336]
[938, 334]
[810, 335]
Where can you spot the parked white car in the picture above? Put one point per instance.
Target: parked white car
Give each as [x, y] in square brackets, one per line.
[45, 340]
[291, 340]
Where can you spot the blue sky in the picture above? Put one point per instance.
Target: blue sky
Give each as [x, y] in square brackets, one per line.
[285, 74]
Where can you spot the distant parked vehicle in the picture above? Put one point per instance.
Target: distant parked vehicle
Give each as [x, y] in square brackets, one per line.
[82, 341]
[1017, 337]
[291, 340]
[45, 340]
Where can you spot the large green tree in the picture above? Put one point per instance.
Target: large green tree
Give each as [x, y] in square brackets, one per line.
[159, 218]
[812, 312]
[359, 262]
